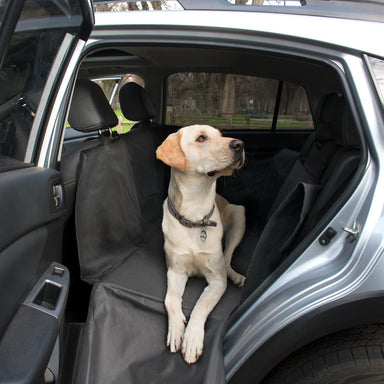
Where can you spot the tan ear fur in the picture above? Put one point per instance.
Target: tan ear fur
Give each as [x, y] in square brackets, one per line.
[171, 153]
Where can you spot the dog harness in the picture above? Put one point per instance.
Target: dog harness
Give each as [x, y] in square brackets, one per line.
[203, 223]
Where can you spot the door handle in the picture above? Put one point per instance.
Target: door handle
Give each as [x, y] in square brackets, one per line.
[57, 195]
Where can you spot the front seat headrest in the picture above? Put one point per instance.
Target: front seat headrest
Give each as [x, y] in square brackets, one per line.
[90, 109]
[135, 103]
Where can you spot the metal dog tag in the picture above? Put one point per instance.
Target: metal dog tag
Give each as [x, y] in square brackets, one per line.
[203, 235]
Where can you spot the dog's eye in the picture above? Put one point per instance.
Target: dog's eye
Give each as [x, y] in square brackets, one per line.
[201, 138]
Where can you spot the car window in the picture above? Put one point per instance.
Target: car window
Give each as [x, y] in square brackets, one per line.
[377, 68]
[278, 3]
[294, 110]
[157, 5]
[109, 85]
[32, 50]
[229, 101]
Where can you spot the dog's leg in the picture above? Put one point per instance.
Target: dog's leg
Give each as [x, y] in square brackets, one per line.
[233, 217]
[176, 319]
[193, 341]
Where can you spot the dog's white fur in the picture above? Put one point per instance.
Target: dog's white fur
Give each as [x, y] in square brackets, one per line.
[195, 153]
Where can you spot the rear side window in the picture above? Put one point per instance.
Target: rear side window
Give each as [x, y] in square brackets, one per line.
[38, 37]
[377, 69]
[229, 101]
[294, 111]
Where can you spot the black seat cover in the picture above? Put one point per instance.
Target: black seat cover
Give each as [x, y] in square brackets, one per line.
[135, 103]
[89, 111]
[118, 213]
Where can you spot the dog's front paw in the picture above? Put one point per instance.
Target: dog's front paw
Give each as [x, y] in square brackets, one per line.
[236, 278]
[193, 343]
[175, 335]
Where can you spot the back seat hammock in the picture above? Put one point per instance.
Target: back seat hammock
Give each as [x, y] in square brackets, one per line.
[121, 253]
[118, 223]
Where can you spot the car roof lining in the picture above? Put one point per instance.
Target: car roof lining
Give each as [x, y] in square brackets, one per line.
[170, 59]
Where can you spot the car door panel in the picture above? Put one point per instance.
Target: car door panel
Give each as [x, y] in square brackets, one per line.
[28, 341]
[27, 201]
[30, 311]
[33, 285]
[27, 365]
[31, 234]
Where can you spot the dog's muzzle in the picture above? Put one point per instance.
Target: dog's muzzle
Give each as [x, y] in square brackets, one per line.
[237, 147]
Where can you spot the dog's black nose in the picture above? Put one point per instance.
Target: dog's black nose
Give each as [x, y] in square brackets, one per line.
[236, 145]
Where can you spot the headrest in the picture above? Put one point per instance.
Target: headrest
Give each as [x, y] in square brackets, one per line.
[336, 122]
[90, 109]
[325, 130]
[135, 103]
[348, 135]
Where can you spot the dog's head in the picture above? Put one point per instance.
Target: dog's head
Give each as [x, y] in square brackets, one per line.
[202, 149]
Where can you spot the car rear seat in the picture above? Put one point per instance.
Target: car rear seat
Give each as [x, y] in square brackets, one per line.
[118, 213]
[136, 106]
[118, 222]
[326, 164]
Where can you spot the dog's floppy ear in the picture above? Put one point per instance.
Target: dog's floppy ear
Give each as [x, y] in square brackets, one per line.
[171, 153]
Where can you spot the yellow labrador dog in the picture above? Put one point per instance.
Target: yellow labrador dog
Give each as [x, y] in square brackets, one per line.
[195, 219]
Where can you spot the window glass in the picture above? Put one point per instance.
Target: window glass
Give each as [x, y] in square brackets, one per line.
[279, 3]
[111, 87]
[27, 64]
[228, 101]
[122, 6]
[294, 111]
[223, 100]
[377, 66]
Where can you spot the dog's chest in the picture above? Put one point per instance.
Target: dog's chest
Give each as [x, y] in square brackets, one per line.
[195, 261]
[187, 251]
[193, 240]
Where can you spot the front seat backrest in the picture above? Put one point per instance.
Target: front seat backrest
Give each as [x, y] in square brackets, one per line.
[89, 111]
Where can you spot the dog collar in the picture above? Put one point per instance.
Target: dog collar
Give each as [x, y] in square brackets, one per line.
[205, 222]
